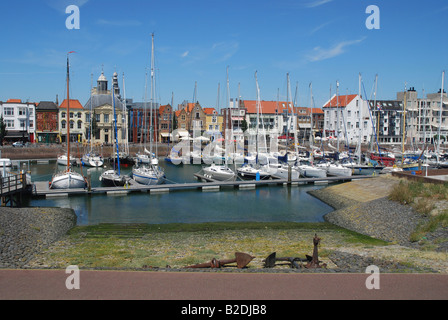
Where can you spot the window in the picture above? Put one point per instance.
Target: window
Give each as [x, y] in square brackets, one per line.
[63, 115]
[97, 117]
[72, 124]
[31, 124]
[22, 111]
[79, 115]
[106, 118]
[9, 111]
[87, 117]
[71, 115]
[9, 123]
[79, 124]
[63, 124]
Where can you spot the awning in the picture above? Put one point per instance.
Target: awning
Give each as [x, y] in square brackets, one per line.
[16, 134]
[165, 135]
[305, 125]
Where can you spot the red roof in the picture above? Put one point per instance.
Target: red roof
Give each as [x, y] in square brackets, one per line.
[343, 100]
[14, 101]
[318, 111]
[266, 107]
[74, 104]
[209, 110]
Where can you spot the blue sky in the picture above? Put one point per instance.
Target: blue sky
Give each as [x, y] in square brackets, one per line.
[318, 41]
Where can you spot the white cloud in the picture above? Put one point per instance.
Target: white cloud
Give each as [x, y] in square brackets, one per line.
[119, 23]
[320, 54]
[61, 5]
[316, 3]
[183, 55]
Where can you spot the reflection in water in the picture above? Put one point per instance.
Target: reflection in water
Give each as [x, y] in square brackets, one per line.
[264, 204]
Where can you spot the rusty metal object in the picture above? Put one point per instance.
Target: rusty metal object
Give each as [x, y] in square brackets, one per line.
[241, 259]
[272, 259]
[313, 262]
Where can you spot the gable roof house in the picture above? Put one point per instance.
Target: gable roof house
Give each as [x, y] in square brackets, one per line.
[343, 119]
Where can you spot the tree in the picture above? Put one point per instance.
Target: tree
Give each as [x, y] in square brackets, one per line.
[174, 122]
[3, 131]
[244, 125]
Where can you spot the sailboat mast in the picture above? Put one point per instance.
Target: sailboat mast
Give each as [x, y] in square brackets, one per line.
[311, 114]
[116, 135]
[440, 116]
[151, 128]
[126, 149]
[68, 112]
[404, 124]
[360, 120]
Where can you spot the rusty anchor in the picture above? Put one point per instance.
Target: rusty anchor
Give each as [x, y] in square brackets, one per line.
[313, 262]
[272, 259]
[241, 259]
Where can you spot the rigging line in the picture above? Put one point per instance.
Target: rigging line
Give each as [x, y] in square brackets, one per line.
[371, 120]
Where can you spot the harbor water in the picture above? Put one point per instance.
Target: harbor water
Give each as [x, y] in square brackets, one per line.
[263, 204]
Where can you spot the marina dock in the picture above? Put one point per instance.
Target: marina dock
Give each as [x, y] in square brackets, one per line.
[42, 189]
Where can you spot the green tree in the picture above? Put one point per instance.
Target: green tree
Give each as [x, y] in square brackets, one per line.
[244, 125]
[3, 131]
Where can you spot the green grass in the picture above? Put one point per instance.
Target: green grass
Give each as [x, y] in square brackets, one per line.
[180, 245]
[418, 194]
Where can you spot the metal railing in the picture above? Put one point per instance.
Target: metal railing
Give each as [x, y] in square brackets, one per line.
[12, 183]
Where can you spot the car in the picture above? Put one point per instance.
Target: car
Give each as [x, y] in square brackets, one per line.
[17, 144]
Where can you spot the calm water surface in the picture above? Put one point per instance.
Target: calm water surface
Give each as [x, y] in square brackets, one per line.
[263, 204]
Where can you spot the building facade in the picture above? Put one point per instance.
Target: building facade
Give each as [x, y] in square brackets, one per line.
[75, 119]
[20, 120]
[347, 118]
[47, 125]
[101, 110]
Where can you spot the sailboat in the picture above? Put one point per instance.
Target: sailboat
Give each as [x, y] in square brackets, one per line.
[112, 177]
[126, 159]
[91, 158]
[282, 169]
[149, 173]
[306, 167]
[68, 179]
[217, 171]
[255, 170]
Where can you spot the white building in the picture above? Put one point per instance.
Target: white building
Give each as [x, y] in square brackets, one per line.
[20, 120]
[342, 119]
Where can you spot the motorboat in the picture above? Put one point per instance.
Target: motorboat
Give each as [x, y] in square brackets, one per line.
[252, 171]
[92, 160]
[219, 172]
[112, 179]
[5, 162]
[62, 160]
[282, 171]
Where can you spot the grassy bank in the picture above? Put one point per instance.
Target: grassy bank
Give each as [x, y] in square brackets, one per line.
[179, 245]
[428, 199]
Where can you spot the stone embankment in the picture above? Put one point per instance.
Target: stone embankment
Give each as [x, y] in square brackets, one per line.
[27, 231]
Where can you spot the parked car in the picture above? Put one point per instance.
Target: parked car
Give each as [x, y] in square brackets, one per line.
[18, 144]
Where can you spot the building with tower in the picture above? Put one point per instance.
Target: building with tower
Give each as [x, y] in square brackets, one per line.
[100, 113]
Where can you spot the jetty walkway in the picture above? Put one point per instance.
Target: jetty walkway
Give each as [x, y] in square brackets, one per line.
[42, 188]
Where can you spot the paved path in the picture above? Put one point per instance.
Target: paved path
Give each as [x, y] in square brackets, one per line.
[108, 285]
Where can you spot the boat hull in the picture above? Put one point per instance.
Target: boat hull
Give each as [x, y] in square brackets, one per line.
[111, 179]
[148, 176]
[220, 173]
[68, 180]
